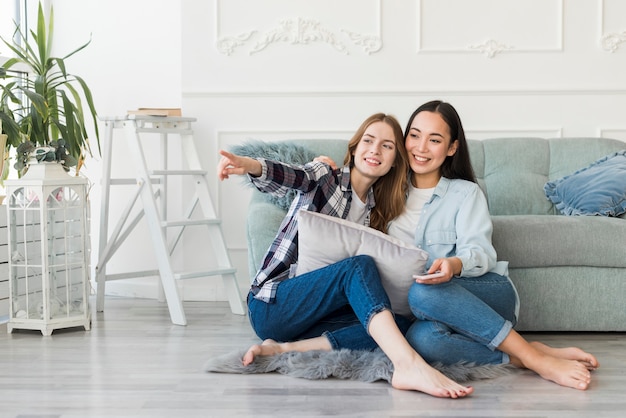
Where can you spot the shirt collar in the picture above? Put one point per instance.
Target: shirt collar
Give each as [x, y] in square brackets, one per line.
[442, 186]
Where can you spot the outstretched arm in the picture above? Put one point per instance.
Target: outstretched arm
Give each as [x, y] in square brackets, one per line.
[326, 160]
[231, 164]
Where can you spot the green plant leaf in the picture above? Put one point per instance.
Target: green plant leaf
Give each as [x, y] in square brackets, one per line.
[47, 105]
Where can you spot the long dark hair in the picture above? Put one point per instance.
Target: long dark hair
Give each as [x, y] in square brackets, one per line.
[457, 166]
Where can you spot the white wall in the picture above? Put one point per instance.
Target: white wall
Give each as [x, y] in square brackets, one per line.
[302, 68]
[134, 60]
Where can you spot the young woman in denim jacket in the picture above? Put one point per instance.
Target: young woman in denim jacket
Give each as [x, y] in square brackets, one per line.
[468, 313]
[342, 305]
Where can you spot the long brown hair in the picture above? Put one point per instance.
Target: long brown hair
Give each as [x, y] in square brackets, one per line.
[390, 189]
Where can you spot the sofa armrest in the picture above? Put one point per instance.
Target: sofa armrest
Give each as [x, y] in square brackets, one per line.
[262, 223]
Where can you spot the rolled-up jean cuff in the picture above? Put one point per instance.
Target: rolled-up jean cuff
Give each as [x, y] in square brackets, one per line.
[376, 309]
[331, 339]
[504, 332]
[505, 358]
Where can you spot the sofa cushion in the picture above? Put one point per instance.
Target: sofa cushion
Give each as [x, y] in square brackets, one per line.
[514, 172]
[598, 189]
[528, 241]
[324, 240]
[570, 154]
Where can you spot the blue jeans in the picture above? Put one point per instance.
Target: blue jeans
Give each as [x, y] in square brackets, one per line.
[465, 319]
[337, 301]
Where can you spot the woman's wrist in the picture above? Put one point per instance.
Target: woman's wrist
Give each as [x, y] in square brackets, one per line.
[457, 265]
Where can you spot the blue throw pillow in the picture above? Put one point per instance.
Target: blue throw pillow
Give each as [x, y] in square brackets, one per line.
[599, 189]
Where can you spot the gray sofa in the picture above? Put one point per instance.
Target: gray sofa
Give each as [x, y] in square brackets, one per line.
[570, 271]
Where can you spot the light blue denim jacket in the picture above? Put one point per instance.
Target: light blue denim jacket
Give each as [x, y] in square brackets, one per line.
[456, 222]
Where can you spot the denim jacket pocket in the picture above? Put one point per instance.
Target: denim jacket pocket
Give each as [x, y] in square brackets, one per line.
[441, 243]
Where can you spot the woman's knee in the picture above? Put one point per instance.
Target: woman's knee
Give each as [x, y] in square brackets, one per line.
[423, 299]
[364, 261]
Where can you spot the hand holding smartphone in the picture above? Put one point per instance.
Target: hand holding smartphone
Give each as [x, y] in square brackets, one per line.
[426, 276]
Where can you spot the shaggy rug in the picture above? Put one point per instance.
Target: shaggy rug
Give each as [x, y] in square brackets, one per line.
[366, 366]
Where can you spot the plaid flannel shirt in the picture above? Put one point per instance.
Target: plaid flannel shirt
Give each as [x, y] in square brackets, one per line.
[321, 190]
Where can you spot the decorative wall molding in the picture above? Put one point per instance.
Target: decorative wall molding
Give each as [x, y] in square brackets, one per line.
[609, 41]
[615, 133]
[226, 137]
[447, 91]
[538, 132]
[298, 31]
[227, 44]
[369, 43]
[491, 47]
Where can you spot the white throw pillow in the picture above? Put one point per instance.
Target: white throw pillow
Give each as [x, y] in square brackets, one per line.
[324, 240]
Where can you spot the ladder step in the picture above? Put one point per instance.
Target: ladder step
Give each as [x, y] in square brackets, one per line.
[191, 222]
[178, 276]
[178, 172]
[152, 186]
[164, 130]
[132, 275]
[129, 181]
[194, 274]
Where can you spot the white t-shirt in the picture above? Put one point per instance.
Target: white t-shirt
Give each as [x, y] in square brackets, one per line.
[357, 210]
[403, 227]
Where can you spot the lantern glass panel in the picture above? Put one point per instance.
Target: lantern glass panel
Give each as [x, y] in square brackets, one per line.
[49, 261]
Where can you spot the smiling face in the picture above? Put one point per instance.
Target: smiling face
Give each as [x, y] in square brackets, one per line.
[376, 151]
[428, 143]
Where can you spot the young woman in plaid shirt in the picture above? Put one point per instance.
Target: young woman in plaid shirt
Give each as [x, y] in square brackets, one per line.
[342, 305]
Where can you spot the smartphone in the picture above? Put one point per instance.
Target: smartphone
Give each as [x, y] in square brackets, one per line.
[426, 276]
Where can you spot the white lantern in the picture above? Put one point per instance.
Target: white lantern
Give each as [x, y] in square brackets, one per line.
[48, 215]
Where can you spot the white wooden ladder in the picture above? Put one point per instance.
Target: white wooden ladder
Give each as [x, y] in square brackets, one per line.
[151, 194]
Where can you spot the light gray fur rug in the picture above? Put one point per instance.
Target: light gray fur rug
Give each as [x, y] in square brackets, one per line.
[366, 366]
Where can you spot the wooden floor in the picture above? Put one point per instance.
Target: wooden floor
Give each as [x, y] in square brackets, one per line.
[135, 363]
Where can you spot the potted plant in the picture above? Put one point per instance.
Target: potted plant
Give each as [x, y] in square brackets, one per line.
[42, 111]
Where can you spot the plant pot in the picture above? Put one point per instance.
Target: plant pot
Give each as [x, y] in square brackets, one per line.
[47, 170]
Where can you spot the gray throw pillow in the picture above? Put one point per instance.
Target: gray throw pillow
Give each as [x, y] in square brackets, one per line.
[324, 240]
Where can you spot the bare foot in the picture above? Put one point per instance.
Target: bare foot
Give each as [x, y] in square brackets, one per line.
[569, 373]
[422, 377]
[266, 348]
[565, 372]
[569, 353]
